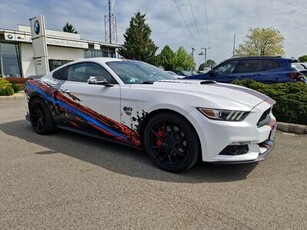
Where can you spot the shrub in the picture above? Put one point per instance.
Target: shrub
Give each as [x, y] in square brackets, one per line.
[291, 99]
[4, 83]
[6, 88]
[16, 87]
[7, 91]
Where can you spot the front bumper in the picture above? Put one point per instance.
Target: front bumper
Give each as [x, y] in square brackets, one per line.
[260, 157]
[216, 136]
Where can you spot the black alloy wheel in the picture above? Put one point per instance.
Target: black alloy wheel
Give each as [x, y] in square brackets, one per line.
[171, 142]
[40, 117]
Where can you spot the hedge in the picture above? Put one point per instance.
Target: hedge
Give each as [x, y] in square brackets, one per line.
[8, 91]
[16, 87]
[291, 99]
[7, 88]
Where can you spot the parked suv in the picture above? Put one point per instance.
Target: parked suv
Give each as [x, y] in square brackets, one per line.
[264, 69]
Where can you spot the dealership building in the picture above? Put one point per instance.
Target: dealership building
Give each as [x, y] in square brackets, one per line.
[16, 52]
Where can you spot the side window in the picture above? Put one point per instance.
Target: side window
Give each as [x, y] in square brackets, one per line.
[83, 71]
[225, 68]
[246, 66]
[61, 74]
[77, 73]
[269, 64]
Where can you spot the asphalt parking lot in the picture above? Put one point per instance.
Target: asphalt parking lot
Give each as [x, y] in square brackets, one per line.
[69, 181]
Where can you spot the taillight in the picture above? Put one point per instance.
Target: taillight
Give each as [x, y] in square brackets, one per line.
[295, 75]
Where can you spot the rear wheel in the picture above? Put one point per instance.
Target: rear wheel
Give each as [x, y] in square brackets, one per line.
[171, 142]
[40, 117]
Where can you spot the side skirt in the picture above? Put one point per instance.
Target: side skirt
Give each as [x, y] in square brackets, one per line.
[95, 136]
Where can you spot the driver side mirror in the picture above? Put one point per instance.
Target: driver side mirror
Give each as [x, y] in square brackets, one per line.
[93, 81]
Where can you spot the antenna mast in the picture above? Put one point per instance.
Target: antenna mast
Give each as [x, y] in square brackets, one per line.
[110, 23]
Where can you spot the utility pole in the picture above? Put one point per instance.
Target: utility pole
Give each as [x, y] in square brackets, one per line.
[110, 22]
[205, 53]
[234, 45]
[192, 59]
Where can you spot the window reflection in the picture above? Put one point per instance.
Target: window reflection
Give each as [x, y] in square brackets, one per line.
[9, 60]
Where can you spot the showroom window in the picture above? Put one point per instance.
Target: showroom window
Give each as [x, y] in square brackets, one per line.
[103, 52]
[53, 64]
[9, 60]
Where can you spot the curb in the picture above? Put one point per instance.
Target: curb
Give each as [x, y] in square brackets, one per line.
[281, 126]
[292, 128]
[16, 96]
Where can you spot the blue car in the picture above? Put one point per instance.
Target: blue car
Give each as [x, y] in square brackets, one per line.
[263, 68]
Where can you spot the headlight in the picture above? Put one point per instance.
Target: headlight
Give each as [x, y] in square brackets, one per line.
[223, 115]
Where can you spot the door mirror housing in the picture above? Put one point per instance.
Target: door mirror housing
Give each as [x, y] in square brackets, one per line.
[93, 81]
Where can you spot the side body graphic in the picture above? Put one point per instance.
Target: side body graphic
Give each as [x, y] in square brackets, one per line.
[67, 110]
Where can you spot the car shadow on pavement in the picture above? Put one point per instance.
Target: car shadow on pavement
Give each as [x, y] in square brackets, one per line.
[121, 159]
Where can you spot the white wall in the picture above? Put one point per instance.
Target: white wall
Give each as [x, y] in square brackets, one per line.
[63, 53]
[54, 52]
[27, 61]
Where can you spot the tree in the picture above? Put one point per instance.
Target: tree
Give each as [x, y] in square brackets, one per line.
[138, 44]
[261, 42]
[166, 58]
[183, 60]
[69, 28]
[209, 63]
[302, 58]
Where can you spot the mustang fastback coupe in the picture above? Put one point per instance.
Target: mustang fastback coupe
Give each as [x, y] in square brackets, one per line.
[177, 122]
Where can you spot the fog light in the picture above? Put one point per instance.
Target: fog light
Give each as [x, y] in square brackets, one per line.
[234, 150]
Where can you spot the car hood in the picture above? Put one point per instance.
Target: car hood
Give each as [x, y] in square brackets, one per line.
[210, 93]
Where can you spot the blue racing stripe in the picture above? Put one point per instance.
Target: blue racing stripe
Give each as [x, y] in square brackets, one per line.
[75, 111]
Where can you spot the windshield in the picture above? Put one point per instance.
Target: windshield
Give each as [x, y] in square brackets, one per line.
[136, 72]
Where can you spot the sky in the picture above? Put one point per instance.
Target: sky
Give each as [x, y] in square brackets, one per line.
[193, 24]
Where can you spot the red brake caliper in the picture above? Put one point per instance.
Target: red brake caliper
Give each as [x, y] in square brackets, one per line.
[160, 134]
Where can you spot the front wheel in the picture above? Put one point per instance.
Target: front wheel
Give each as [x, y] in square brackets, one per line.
[171, 142]
[40, 117]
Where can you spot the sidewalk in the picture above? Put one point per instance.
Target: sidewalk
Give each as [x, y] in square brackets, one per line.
[284, 127]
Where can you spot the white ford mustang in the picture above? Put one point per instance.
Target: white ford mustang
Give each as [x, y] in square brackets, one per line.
[177, 122]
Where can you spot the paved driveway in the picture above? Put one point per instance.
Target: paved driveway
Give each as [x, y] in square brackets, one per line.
[69, 181]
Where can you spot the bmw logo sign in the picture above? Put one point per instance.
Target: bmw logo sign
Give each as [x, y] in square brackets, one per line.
[10, 36]
[36, 27]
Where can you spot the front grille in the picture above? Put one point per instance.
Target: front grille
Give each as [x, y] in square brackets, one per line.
[265, 118]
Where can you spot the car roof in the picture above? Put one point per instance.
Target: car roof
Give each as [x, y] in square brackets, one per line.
[100, 60]
[260, 58]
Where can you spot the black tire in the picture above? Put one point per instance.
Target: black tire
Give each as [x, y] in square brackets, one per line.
[40, 117]
[171, 142]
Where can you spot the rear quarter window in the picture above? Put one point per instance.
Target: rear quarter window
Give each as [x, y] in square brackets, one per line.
[269, 64]
[246, 66]
[61, 74]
